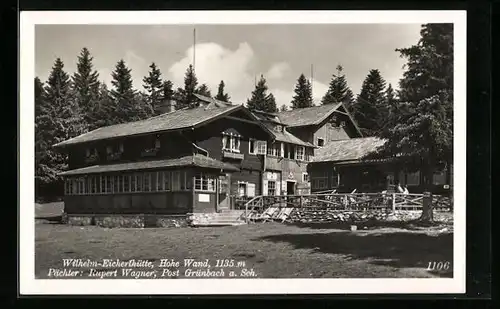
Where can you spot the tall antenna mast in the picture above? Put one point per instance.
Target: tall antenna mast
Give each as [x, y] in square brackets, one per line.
[312, 79]
[194, 48]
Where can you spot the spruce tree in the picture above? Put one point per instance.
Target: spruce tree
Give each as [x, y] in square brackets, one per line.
[283, 108]
[303, 93]
[338, 91]
[271, 104]
[124, 94]
[422, 133]
[58, 119]
[185, 96]
[154, 87]
[204, 91]
[260, 99]
[221, 95]
[104, 112]
[86, 84]
[370, 110]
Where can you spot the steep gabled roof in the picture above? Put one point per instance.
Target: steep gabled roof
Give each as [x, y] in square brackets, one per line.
[194, 160]
[307, 116]
[354, 149]
[177, 120]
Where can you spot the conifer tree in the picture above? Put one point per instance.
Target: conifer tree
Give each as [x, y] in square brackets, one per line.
[338, 91]
[153, 85]
[124, 94]
[283, 108]
[185, 96]
[260, 99]
[104, 112]
[86, 84]
[422, 132]
[221, 95]
[370, 110]
[303, 93]
[58, 119]
[204, 91]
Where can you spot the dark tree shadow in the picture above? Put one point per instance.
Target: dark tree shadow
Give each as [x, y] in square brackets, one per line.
[370, 225]
[399, 249]
[49, 219]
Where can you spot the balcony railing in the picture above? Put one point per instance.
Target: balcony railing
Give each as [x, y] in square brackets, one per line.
[91, 159]
[114, 156]
[233, 155]
[152, 152]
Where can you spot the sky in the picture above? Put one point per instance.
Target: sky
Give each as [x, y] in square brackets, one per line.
[237, 54]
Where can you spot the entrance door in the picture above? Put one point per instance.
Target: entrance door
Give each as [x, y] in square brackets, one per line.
[290, 188]
[223, 192]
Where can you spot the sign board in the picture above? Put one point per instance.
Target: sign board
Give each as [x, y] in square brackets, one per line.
[204, 198]
[290, 175]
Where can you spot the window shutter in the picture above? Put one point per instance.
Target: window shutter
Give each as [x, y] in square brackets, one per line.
[264, 187]
[250, 189]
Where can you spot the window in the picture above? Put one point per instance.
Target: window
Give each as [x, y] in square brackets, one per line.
[439, 178]
[342, 124]
[335, 179]
[305, 177]
[103, 184]
[319, 180]
[93, 184]
[176, 181]
[121, 147]
[261, 147]
[204, 182]
[87, 152]
[300, 153]
[133, 183]
[157, 143]
[274, 149]
[183, 181]
[231, 143]
[116, 184]
[126, 183]
[252, 147]
[242, 189]
[139, 182]
[147, 181]
[321, 142]
[271, 187]
[109, 150]
[413, 179]
[309, 154]
[159, 181]
[166, 181]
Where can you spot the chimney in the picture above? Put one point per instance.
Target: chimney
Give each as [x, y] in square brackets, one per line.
[166, 106]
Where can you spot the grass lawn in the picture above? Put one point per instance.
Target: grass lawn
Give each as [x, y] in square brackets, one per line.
[271, 250]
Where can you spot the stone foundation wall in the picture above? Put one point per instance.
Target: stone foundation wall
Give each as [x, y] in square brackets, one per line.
[327, 215]
[200, 218]
[130, 221]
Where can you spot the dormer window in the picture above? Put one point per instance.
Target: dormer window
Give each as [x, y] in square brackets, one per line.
[321, 142]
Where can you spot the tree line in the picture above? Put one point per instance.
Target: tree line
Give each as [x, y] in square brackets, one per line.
[417, 118]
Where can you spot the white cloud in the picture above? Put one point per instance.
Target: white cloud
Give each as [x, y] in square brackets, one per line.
[236, 67]
[215, 63]
[278, 70]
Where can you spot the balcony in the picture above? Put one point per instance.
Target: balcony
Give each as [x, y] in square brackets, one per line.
[91, 159]
[114, 156]
[152, 152]
[232, 155]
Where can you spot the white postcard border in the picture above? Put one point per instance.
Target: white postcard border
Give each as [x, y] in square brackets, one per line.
[31, 286]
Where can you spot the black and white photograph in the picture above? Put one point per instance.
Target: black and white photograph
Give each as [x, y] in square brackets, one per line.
[231, 150]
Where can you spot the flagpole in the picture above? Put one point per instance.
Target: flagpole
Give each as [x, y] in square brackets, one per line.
[312, 79]
[194, 48]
